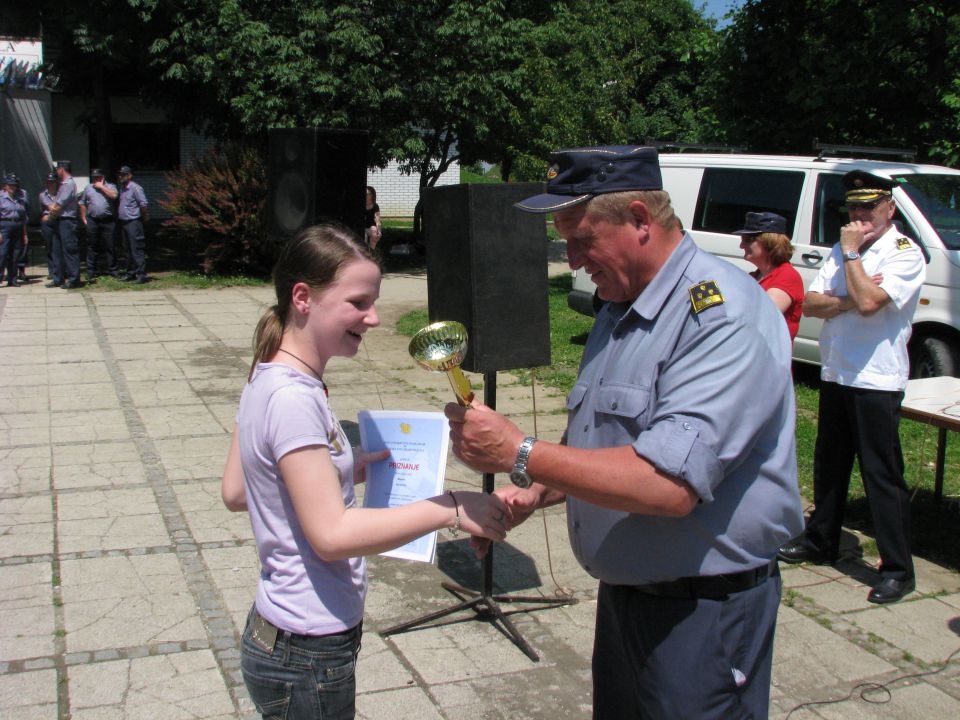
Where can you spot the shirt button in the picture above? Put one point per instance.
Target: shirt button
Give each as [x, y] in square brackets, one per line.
[601, 381]
[686, 426]
[576, 524]
[586, 427]
[613, 405]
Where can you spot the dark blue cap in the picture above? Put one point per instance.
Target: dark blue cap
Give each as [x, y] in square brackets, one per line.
[9, 179]
[575, 176]
[763, 222]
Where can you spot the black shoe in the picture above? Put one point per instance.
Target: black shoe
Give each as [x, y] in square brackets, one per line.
[802, 550]
[53, 283]
[91, 279]
[21, 275]
[70, 285]
[142, 280]
[128, 277]
[890, 590]
[13, 283]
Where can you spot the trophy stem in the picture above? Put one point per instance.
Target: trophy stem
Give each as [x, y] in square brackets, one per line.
[460, 385]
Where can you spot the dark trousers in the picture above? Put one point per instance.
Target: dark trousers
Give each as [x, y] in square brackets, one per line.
[135, 247]
[662, 658]
[48, 230]
[11, 235]
[66, 252]
[864, 424]
[100, 238]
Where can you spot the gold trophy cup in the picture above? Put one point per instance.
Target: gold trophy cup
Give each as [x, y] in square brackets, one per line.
[440, 347]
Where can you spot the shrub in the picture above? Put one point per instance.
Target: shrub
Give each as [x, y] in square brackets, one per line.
[216, 204]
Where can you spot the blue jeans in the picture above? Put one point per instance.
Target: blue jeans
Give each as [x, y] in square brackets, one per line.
[304, 677]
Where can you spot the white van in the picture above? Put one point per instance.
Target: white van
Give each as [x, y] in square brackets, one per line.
[712, 193]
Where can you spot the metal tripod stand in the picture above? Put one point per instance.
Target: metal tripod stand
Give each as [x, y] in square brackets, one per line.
[485, 604]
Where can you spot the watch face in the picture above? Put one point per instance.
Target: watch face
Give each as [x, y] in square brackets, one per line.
[520, 479]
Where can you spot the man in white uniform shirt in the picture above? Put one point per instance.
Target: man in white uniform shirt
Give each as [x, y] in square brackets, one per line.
[866, 293]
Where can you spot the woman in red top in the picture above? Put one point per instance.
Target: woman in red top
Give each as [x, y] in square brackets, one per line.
[765, 244]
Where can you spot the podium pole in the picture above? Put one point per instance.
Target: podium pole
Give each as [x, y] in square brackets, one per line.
[484, 603]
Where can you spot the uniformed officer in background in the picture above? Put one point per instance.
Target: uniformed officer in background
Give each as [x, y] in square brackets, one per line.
[678, 463]
[97, 203]
[48, 224]
[66, 248]
[13, 217]
[866, 293]
[132, 212]
[21, 194]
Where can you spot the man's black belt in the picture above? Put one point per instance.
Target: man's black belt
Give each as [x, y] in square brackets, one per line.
[100, 218]
[709, 586]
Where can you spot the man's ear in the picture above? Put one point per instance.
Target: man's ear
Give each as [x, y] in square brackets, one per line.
[640, 214]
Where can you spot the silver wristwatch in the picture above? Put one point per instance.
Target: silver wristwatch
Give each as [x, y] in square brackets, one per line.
[519, 476]
[851, 256]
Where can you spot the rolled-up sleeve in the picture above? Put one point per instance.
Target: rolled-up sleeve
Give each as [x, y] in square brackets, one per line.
[707, 414]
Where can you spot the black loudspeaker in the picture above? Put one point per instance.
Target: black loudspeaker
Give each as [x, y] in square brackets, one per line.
[487, 269]
[315, 174]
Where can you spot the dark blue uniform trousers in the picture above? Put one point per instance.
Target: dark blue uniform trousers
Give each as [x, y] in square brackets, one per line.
[66, 252]
[100, 238]
[135, 247]
[864, 424]
[48, 230]
[11, 235]
[664, 658]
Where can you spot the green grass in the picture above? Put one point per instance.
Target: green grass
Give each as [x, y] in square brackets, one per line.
[176, 279]
[935, 525]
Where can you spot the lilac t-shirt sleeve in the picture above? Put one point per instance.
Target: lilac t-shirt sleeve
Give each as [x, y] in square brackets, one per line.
[296, 419]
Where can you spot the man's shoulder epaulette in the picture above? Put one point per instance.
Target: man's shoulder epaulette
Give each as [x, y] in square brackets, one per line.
[704, 294]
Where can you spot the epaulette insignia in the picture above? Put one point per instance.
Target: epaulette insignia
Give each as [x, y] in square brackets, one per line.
[704, 294]
[904, 244]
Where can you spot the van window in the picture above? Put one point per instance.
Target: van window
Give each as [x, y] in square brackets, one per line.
[938, 198]
[728, 194]
[830, 213]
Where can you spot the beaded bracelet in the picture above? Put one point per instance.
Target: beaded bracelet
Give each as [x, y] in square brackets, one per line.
[455, 530]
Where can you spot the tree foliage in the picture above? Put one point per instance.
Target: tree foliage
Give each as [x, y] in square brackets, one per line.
[866, 72]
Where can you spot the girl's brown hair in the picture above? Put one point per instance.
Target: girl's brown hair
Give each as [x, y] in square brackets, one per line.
[316, 257]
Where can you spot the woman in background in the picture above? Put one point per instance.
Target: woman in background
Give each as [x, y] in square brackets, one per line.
[371, 224]
[765, 244]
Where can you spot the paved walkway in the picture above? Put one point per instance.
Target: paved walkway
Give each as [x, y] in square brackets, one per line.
[124, 583]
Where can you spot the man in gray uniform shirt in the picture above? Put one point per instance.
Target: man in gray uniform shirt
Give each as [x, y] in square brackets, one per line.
[97, 203]
[678, 463]
[132, 213]
[66, 248]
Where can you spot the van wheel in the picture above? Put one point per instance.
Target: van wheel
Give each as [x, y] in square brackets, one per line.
[932, 357]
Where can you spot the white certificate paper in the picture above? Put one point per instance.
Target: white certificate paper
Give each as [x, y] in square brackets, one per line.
[418, 443]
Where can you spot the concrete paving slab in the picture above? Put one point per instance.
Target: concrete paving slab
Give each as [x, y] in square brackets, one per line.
[203, 509]
[111, 519]
[29, 695]
[27, 623]
[24, 471]
[26, 526]
[192, 458]
[122, 602]
[925, 628]
[176, 686]
[101, 464]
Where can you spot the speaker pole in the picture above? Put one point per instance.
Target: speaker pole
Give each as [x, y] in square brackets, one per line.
[485, 604]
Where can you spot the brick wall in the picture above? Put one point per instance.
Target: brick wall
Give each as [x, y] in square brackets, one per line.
[397, 194]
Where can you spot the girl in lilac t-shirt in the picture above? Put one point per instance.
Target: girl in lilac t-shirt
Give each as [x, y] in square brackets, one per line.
[291, 466]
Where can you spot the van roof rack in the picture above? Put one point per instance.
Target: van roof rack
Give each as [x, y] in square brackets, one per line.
[863, 151]
[696, 147]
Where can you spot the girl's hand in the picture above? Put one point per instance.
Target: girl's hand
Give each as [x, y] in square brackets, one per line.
[361, 459]
[483, 515]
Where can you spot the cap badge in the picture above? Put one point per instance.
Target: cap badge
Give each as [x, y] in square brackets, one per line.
[553, 172]
[705, 294]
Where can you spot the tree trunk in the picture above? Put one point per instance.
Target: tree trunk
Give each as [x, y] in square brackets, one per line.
[103, 124]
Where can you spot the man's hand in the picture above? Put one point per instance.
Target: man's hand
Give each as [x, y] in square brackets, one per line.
[482, 438]
[521, 504]
[851, 236]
